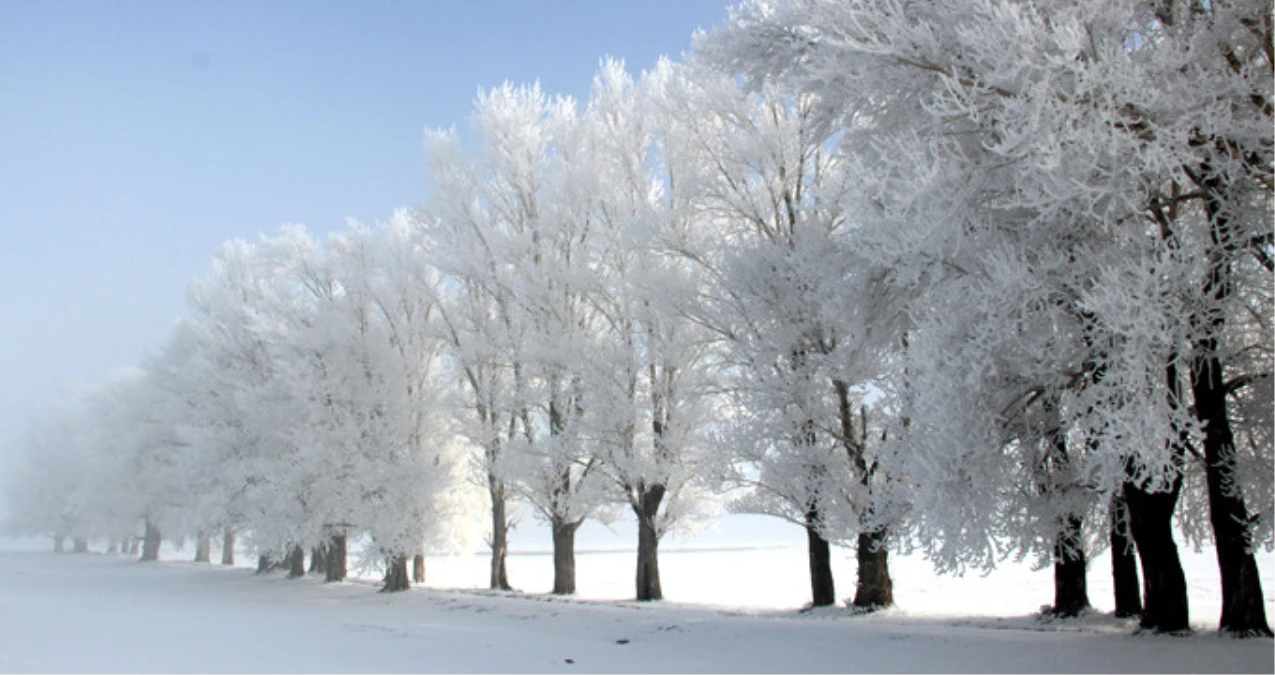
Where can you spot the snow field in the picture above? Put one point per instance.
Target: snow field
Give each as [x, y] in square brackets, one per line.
[729, 610]
[773, 577]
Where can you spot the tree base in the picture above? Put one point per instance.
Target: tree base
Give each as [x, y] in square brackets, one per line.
[336, 559]
[564, 556]
[874, 589]
[1052, 613]
[228, 547]
[1245, 634]
[396, 576]
[150, 544]
[823, 591]
[418, 568]
[1179, 632]
[864, 610]
[296, 563]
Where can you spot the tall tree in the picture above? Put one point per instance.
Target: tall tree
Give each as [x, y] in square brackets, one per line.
[775, 283]
[653, 398]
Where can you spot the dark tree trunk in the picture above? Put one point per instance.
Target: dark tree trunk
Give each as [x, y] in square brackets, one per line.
[1056, 480]
[1165, 608]
[648, 563]
[418, 568]
[1124, 562]
[648, 553]
[875, 588]
[59, 544]
[203, 549]
[112, 547]
[80, 545]
[1164, 585]
[150, 545]
[133, 543]
[319, 560]
[228, 547]
[1071, 593]
[564, 556]
[336, 558]
[822, 589]
[1243, 606]
[396, 575]
[499, 537]
[296, 562]
[264, 564]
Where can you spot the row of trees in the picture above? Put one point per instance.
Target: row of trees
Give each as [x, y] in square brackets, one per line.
[1071, 202]
[606, 308]
[985, 278]
[293, 405]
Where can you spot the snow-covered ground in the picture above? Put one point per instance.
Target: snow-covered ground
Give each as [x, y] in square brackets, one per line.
[730, 608]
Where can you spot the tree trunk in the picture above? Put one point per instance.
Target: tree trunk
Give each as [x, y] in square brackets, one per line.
[336, 559]
[1056, 480]
[296, 562]
[319, 560]
[875, 588]
[396, 575]
[418, 568]
[1165, 608]
[264, 564]
[822, 589]
[648, 552]
[1243, 607]
[1071, 593]
[1124, 562]
[499, 537]
[132, 546]
[648, 563]
[80, 545]
[228, 547]
[203, 549]
[59, 544]
[112, 547]
[1164, 585]
[150, 545]
[564, 556]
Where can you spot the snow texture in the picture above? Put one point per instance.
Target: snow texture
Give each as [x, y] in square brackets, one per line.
[100, 613]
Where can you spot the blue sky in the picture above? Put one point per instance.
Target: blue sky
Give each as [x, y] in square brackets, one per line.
[135, 137]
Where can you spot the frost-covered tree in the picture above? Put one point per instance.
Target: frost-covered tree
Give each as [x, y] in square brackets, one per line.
[548, 240]
[226, 306]
[178, 406]
[100, 462]
[252, 311]
[652, 403]
[140, 437]
[554, 463]
[47, 477]
[513, 243]
[775, 274]
[487, 215]
[407, 475]
[326, 356]
[1091, 181]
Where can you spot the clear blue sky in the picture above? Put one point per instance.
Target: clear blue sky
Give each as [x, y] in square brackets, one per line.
[135, 137]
